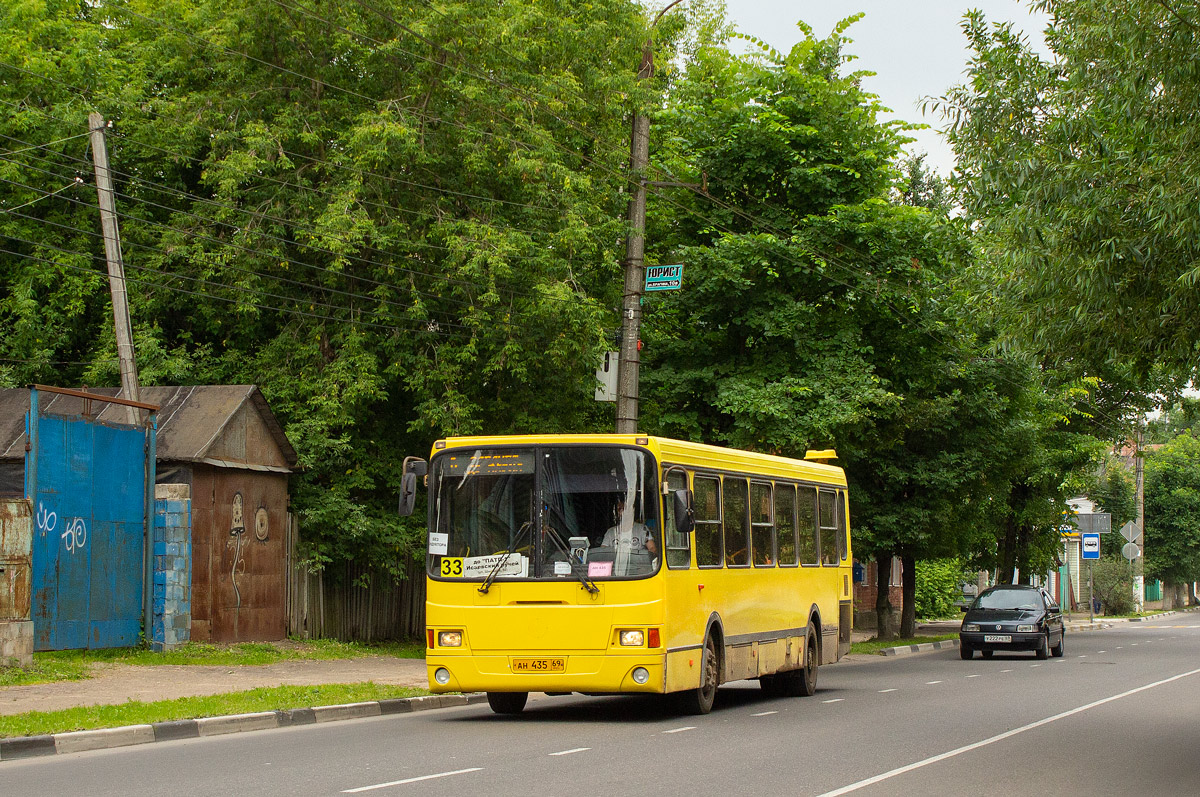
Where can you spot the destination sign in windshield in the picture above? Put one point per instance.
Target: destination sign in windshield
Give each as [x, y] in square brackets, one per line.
[486, 463]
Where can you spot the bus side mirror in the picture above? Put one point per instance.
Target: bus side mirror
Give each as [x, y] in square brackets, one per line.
[413, 467]
[685, 518]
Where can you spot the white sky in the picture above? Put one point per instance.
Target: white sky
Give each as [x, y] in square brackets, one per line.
[916, 47]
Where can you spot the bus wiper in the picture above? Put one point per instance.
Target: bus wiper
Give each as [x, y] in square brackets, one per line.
[503, 560]
[584, 579]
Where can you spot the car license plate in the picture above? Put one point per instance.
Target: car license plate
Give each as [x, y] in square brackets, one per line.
[539, 665]
[997, 638]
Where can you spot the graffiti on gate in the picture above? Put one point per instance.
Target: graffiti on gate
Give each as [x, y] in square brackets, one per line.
[74, 533]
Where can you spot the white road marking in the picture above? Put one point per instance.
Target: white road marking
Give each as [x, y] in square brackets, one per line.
[1101, 651]
[884, 691]
[1035, 665]
[976, 675]
[931, 683]
[999, 737]
[681, 730]
[1133, 644]
[410, 780]
[835, 700]
[572, 750]
[1083, 655]
[764, 713]
[1006, 670]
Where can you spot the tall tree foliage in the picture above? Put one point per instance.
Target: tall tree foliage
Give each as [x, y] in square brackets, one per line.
[1173, 511]
[401, 220]
[1081, 173]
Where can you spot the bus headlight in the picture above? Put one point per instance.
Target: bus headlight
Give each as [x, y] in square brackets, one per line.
[449, 639]
[633, 639]
[442, 676]
[640, 675]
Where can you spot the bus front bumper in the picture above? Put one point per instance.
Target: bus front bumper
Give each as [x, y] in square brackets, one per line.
[580, 672]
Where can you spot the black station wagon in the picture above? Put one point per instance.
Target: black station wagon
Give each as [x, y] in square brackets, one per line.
[1010, 618]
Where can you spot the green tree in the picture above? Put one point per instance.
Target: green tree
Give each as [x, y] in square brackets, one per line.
[1114, 492]
[1172, 500]
[401, 221]
[1080, 175]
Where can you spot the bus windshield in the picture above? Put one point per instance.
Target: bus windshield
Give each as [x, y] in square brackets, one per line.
[555, 512]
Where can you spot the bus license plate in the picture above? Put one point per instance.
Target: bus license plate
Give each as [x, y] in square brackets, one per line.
[997, 638]
[539, 665]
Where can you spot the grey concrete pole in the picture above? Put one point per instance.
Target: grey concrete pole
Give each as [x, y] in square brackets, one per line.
[116, 266]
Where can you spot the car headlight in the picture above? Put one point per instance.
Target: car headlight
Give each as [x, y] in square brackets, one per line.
[1027, 628]
[970, 626]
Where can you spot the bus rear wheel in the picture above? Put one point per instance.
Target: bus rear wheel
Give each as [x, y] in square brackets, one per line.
[806, 680]
[507, 702]
[700, 700]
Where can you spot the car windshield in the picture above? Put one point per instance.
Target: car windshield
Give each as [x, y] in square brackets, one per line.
[1009, 599]
[563, 512]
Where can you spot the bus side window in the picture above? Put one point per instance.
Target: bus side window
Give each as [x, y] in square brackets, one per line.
[737, 527]
[762, 530]
[785, 522]
[806, 525]
[706, 496]
[843, 526]
[827, 508]
[679, 546]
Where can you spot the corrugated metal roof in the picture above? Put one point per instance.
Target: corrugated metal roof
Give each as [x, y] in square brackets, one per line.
[191, 419]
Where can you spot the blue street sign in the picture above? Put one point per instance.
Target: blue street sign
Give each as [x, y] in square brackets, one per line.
[1090, 545]
[664, 278]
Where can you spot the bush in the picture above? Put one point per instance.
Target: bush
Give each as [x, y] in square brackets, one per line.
[1113, 585]
[938, 587]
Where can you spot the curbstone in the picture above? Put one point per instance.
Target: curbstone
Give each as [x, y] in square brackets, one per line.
[348, 711]
[26, 747]
[82, 741]
[234, 723]
[176, 729]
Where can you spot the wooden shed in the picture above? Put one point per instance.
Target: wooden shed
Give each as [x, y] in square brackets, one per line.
[225, 445]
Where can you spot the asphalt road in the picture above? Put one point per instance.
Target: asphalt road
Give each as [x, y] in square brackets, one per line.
[1117, 715]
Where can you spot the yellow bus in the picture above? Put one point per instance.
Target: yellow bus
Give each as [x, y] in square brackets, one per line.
[608, 564]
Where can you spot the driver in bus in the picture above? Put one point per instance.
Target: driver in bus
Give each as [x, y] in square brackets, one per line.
[641, 536]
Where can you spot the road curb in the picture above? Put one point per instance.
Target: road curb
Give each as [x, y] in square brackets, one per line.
[104, 738]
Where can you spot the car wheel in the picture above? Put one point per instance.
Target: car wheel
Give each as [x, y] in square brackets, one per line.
[507, 702]
[965, 652]
[1058, 649]
[700, 700]
[1043, 648]
[987, 654]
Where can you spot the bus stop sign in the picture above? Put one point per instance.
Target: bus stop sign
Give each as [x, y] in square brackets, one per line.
[1091, 545]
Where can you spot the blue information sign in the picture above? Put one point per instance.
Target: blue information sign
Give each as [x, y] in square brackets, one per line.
[1090, 545]
[664, 278]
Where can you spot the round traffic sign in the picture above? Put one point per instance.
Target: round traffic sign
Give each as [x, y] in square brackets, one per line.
[1130, 551]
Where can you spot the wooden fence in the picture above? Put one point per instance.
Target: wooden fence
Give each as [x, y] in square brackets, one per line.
[328, 605]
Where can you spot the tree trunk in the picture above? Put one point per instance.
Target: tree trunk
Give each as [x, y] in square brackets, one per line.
[908, 611]
[884, 624]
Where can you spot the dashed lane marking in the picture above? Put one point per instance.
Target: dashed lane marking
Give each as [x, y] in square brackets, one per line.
[410, 780]
[884, 691]
[572, 750]
[931, 683]
[835, 700]
[681, 730]
[976, 675]
[764, 713]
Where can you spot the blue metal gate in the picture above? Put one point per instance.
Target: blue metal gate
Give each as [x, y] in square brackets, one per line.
[88, 480]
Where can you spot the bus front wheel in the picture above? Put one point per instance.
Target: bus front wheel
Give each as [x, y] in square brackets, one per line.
[700, 700]
[507, 702]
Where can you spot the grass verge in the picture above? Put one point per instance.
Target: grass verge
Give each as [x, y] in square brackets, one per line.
[75, 665]
[35, 723]
[874, 646]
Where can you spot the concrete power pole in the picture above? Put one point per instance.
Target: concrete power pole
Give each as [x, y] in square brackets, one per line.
[629, 365]
[1139, 579]
[116, 266]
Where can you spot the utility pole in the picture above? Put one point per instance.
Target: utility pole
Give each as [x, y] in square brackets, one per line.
[116, 266]
[629, 364]
[1139, 579]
